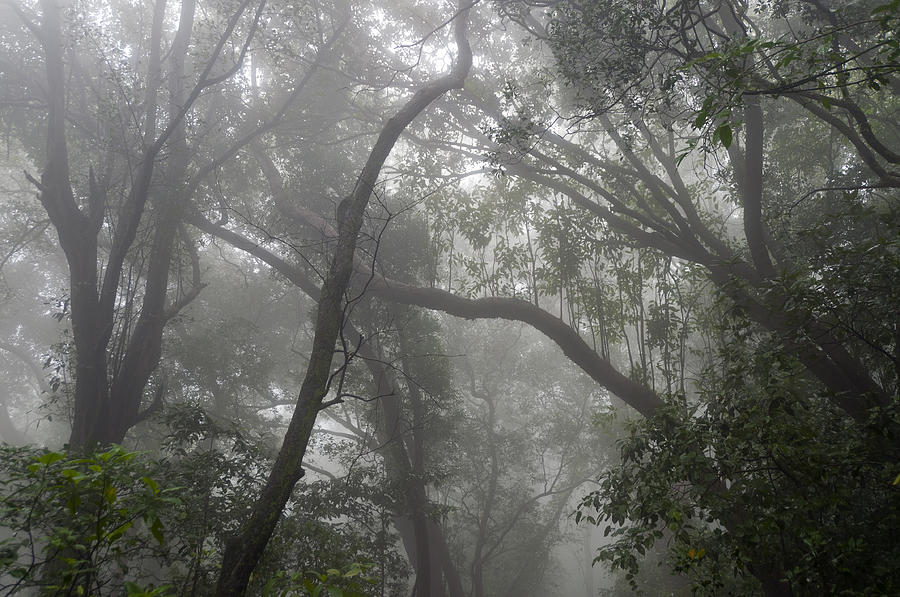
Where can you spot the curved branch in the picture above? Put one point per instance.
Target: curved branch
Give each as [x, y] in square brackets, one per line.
[887, 177]
[865, 128]
[635, 394]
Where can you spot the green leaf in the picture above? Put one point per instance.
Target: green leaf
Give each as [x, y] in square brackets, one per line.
[50, 457]
[156, 529]
[117, 533]
[72, 503]
[18, 572]
[889, 7]
[723, 133]
[72, 474]
[700, 120]
[153, 485]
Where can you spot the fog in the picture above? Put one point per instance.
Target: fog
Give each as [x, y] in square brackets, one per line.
[449, 299]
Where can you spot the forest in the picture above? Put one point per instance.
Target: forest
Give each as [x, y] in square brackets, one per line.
[466, 298]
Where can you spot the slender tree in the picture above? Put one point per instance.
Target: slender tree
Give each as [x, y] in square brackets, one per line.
[244, 551]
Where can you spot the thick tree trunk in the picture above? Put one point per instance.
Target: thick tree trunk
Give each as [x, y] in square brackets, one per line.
[77, 237]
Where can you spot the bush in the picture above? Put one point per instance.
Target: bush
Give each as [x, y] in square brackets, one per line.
[75, 524]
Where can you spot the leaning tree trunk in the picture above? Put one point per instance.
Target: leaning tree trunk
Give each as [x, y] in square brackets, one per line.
[243, 551]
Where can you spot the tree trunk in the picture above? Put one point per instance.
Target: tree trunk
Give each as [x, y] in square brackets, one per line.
[107, 404]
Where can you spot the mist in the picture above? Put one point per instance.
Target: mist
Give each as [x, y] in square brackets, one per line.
[449, 299]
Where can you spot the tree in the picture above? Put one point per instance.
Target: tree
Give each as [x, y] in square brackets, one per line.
[526, 414]
[118, 223]
[243, 552]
